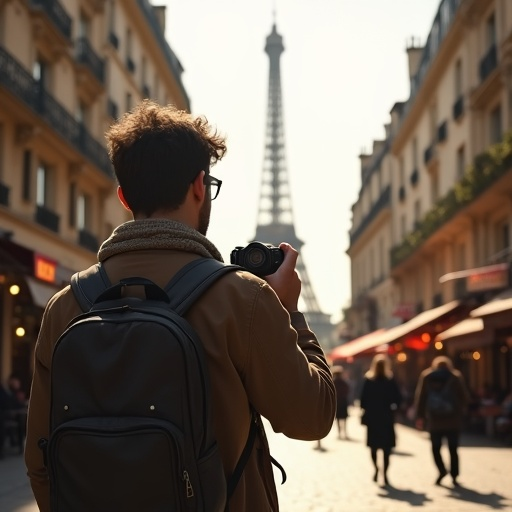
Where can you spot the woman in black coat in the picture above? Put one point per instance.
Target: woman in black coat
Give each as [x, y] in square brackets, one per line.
[380, 398]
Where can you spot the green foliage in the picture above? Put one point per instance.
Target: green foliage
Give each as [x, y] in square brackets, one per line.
[486, 168]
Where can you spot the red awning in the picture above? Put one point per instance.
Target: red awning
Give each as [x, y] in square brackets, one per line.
[359, 345]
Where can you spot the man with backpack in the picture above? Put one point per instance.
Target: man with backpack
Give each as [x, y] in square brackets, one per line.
[261, 356]
[441, 399]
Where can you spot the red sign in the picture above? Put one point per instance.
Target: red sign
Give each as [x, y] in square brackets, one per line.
[487, 280]
[44, 268]
[404, 311]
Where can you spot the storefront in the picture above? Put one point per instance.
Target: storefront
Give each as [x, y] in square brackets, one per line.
[27, 281]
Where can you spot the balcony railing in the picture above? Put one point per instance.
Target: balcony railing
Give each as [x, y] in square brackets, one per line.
[458, 108]
[88, 240]
[488, 63]
[4, 194]
[486, 169]
[47, 218]
[57, 14]
[20, 83]
[87, 56]
[382, 202]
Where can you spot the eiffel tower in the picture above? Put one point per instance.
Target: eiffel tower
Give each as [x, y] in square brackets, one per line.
[275, 216]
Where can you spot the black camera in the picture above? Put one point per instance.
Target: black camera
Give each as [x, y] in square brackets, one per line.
[259, 258]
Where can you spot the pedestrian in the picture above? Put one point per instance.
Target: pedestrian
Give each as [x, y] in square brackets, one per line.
[259, 347]
[380, 399]
[342, 401]
[441, 400]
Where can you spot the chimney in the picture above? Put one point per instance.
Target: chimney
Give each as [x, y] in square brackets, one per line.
[377, 146]
[396, 114]
[159, 11]
[414, 53]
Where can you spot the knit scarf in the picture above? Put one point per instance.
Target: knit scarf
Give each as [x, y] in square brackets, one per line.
[145, 234]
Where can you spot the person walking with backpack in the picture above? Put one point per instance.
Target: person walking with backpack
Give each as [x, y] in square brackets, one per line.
[440, 402]
[261, 356]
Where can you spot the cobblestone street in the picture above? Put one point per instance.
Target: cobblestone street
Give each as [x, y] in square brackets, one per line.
[338, 478]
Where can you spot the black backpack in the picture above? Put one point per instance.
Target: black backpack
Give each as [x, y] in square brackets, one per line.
[130, 418]
[440, 401]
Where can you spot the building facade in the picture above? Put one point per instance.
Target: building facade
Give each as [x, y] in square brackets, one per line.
[431, 233]
[68, 68]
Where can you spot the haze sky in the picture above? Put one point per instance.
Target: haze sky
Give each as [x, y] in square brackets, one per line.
[343, 68]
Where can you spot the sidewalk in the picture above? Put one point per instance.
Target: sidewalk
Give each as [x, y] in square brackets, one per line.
[15, 492]
[339, 477]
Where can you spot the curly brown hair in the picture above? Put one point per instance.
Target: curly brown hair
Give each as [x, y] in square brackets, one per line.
[157, 151]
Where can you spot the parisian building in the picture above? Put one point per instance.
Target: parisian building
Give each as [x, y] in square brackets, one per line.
[68, 69]
[430, 241]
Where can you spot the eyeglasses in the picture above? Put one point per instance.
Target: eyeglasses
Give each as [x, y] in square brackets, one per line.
[214, 185]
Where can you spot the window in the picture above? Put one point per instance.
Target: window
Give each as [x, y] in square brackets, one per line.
[27, 165]
[128, 102]
[490, 31]
[381, 258]
[403, 226]
[434, 187]
[461, 162]
[42, 182]
[458, 79]
[417, 211]
[2, 151]
[72, 205]
[111, 16]
[83, 212]
[83, 26]
[433, 122]
[156, 94]
[415, 153]
[495, 134]
[128, 43]
[502, 235]
[143, 71]
[460, 257]
[40, 72]
[402, 172]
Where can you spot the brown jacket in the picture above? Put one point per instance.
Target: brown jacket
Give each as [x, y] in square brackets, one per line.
[436, 379]
[254, 356]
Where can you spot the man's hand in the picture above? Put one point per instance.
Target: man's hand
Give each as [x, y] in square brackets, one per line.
[285, 281]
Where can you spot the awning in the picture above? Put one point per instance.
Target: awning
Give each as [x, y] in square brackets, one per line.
[464, 328]
[470, 334]
[358, 345]
[41, 292]
[419, 321]
[499, 267]
[502, 302]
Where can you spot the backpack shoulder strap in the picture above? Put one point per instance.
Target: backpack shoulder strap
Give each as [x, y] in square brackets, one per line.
[193, 280]
[87, 289]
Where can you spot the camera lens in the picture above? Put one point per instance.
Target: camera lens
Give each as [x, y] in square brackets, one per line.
[255, 257]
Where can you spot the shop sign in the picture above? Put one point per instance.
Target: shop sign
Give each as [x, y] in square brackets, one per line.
[489, 280]
[44, 268]
[404, 311]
